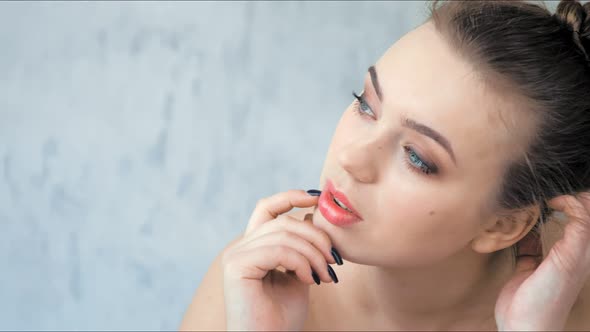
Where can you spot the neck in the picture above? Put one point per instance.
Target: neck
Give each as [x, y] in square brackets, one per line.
[461, 290]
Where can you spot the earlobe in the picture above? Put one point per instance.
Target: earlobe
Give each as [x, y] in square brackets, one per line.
[485, 243]
[504, 231]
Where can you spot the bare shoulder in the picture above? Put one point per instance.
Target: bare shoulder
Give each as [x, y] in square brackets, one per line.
[207, 308]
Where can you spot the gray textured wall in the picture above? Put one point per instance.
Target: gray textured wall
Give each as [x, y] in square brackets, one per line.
[136, 138]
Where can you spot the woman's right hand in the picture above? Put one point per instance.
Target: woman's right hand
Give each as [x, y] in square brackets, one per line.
[257, 295]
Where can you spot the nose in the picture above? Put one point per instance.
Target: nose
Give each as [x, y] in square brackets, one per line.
[361, 157]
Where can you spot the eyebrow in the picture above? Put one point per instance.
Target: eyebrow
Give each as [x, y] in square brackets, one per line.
[375, 81]
[436, 136]
[409, 123]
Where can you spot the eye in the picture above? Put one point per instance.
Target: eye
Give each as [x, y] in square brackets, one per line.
[415, 162]
[361, 106]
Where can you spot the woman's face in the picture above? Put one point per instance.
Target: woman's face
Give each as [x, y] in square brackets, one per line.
[422, 160]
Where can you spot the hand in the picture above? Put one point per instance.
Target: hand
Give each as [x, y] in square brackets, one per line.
[257, 295]
[540, 294]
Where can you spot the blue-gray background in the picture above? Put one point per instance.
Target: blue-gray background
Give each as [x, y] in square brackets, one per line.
[136, 138]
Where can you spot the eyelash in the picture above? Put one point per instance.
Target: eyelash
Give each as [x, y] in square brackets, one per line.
[418, 164]
[362, 105]
[412, 159]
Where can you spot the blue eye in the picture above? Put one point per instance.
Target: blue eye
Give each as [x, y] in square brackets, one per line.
[416, 162]
[362, 106]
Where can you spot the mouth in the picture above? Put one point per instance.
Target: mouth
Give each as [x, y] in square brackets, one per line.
[342, 205]
[336, 208]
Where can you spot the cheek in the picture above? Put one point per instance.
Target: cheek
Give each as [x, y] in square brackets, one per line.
[422, 224]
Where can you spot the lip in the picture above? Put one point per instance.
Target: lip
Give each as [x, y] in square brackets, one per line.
[334, 213]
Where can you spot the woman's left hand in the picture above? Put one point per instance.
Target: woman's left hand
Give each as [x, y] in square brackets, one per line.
[541, 293]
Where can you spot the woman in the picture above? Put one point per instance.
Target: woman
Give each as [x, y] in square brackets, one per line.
[471, 131]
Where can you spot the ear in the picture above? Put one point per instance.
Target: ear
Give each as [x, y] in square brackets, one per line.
[506, 229]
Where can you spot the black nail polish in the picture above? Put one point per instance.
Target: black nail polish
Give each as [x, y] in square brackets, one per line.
[314, 192]
[315, 276]
[332, 274]
[336, 256]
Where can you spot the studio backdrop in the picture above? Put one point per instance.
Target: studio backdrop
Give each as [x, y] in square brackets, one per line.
[136, 138]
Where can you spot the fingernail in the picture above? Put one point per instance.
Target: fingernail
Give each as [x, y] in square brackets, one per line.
[336, 256]
[332, 274]
[314, 192]
[315, 276]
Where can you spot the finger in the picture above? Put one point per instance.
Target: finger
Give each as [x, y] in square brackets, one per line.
[335, 255]
[584, 198]
[269, 208]
[284, 238]
[578, 227]
[572, 251]
[256, 262]
[571, 206]
[304, 229]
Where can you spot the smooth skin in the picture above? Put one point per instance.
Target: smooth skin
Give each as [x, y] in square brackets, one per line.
[431, 252]
[261, 295]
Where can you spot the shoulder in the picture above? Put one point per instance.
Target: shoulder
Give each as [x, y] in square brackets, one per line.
[207, 308]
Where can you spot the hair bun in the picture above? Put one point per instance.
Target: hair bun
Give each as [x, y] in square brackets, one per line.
[577, 17]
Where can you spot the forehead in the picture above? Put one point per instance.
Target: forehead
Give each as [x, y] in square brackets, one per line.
[422, 78]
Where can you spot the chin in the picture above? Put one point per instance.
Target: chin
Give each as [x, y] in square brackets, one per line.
[339, 237]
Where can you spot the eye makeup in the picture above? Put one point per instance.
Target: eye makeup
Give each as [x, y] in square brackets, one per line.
[415, 161]
[411, 158]
[362, 107]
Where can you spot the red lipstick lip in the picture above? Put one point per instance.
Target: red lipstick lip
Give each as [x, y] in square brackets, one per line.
[341, 197]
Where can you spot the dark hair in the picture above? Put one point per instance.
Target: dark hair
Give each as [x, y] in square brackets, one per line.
[544, 58]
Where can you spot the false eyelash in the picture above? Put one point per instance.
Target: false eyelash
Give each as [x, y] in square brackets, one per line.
[425, 168]
[361, 105]
[359, 98]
